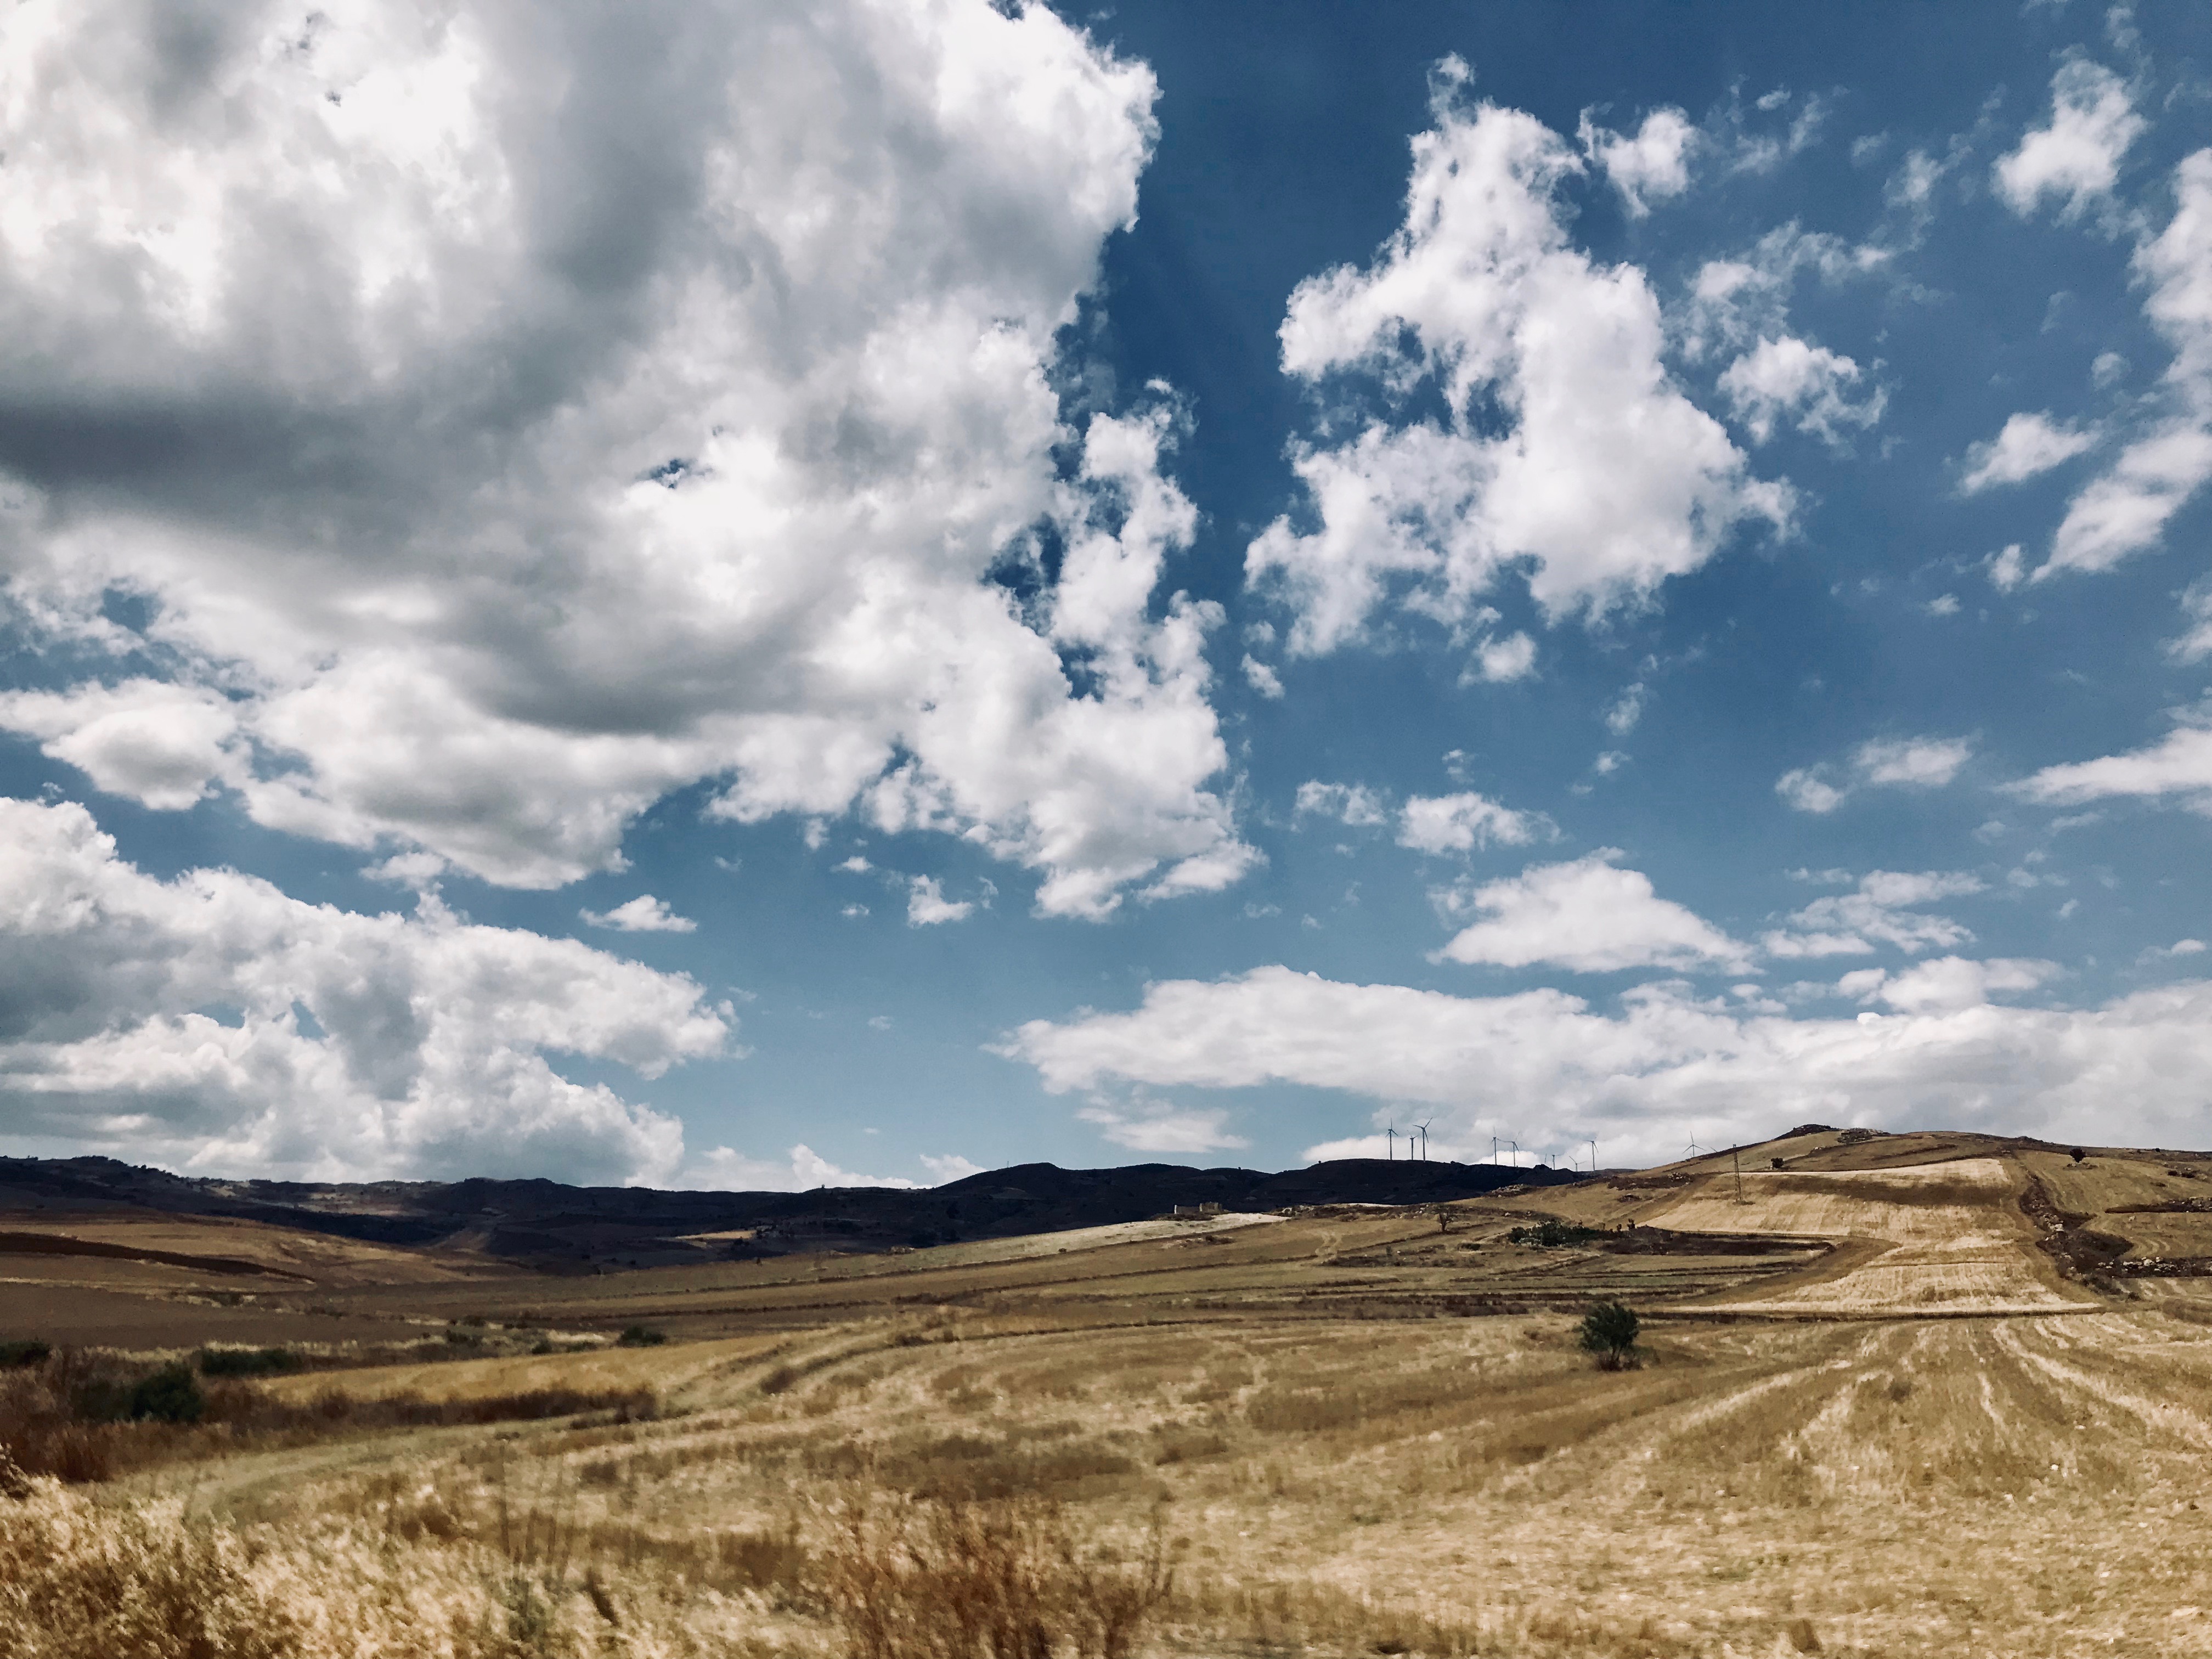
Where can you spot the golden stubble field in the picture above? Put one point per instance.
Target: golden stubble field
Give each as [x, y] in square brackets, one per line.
[1889, 1425]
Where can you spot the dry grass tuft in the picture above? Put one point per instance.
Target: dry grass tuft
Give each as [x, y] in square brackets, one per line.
[1002, 1581]
[77, 1579]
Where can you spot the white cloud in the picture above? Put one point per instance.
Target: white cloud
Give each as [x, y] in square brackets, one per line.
[948, 1167]
[926, 905]
[2006, 569]
[1607, 480]
[1762, 152]
[1923, 763]
[1808, 791]
[2196, 644]
[212, 1024]
[2126, 509]
[1737, 303]
[2077, 156]
[1500, 661]
[1882, 911]
[722, 1169]
[163, 745]
[1150, 1125]
[1863, 984]
[1622, 714]
[2180, 947]
[1651, 166]
[1353, 804]
[2180, 764]
[1947, 983]
[1262, 678]
[1463, 823]
[503, 429]
[1912, 186]
[2027, 445]
[1916, 762]
[1589, 916]
[642, 914]
[1790, 379]
[419, 871]
[1541, 1067]
[856, 866]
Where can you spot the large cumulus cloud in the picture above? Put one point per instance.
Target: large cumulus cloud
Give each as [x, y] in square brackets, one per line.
[1565, 446]
[1549, 1070]
[496, 416]
[213, 1023]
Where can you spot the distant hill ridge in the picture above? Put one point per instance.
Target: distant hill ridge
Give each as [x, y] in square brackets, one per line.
[549, 1224]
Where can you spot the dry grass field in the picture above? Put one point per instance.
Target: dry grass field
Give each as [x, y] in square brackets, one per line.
[1930, 1395]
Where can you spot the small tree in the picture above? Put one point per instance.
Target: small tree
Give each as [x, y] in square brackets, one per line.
[170, 1394]
[2079, 1154]
[1609, 1331]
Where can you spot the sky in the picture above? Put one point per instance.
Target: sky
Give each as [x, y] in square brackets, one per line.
[761, 594]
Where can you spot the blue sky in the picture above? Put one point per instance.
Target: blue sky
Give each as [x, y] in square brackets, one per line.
[758, 595]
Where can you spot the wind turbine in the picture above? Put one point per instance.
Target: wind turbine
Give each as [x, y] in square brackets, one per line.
[1391, 1145]
[1424, 1128]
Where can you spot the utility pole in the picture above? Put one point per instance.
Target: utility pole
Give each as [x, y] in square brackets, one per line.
[1737, 1159]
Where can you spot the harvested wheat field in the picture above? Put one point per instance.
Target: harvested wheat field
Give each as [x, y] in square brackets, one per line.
[1887, 1402]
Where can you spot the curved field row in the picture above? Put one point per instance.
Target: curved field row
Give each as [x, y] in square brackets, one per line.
[2012, 1487]
[1954, 1240]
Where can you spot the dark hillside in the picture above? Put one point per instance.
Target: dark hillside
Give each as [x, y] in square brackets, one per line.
[550, 1226]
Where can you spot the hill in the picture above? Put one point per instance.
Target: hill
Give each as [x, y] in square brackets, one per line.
[551, 1227]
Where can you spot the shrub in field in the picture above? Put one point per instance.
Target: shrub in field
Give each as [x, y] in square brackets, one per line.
[23, 1350]
[1609, 1330]
[171, 1394]
[246, 1361]
[1552, 1232]
[640, 1336]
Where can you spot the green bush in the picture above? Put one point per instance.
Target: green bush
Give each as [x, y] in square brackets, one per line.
[640, 1336]
[1552, 1232]
[1609, 1330]
[23, 1350]
[246, 1362]
[171, 1394]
